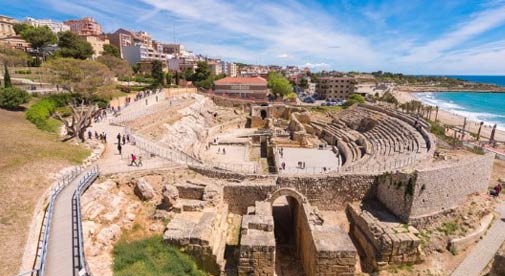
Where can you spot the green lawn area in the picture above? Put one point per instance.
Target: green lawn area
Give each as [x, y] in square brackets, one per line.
[320, 108]
[151, 257]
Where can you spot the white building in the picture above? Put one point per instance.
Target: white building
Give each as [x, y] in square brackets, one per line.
[229, 68]
[55, 27]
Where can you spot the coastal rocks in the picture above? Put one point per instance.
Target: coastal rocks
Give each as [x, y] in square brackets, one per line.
[170, 196]
[143, 190]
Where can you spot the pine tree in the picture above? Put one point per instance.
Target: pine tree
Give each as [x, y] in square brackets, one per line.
[7, 77]
[177, 78]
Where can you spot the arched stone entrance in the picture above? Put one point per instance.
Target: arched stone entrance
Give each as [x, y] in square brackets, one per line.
[286, 211]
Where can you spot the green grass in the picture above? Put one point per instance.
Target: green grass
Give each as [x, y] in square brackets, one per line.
[151, 257]
[449, 228]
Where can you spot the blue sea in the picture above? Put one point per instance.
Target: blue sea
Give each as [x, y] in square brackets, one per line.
[487, 107]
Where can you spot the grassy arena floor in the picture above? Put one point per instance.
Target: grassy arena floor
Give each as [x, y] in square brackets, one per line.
[27, 157]
[151, 257]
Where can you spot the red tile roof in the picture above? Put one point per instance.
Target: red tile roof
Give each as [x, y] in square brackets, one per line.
[242, 80]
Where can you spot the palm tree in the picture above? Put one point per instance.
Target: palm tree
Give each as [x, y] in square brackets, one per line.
[436, 113]
[478, 133]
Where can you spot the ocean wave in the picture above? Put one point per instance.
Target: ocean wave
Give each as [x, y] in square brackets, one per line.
[450, 106]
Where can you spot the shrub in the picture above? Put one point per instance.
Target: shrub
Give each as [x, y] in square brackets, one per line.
[12, 97]
[23, 72]
[354, 99]
[40, 112]
[151, 257]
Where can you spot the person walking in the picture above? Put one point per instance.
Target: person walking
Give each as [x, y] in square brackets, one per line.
[90, 135]
[124, 139]
[118, 138]
[140, 161]
[128, 138]
[119, 148]
[224, 151]
[134, 160]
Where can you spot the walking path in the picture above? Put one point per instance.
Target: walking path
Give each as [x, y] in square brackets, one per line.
[485, 250]
[60, 252]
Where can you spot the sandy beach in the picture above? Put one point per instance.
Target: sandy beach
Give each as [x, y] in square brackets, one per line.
[449, 118]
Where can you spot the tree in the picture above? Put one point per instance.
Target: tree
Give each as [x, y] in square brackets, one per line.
[177, 78]
[12, 97]
[7, 77]
[188, 74]
[157, 73]
[74, 46]
[304, 83]
[20, 27]
[354, 99]
[278, 84]
[119, 67]
[202, 72]
[38, 37]
[90, 80]
[168, 78]
[111, 50]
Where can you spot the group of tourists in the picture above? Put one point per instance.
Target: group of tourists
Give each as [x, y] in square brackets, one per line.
[281, 152]
[101, 137]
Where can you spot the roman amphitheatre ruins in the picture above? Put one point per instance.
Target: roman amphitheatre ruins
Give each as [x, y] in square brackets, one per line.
[274, 189]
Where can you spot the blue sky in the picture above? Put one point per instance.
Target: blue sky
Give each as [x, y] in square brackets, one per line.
[416, 37]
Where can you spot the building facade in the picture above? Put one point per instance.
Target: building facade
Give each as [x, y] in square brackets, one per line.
[7, 26]
[55, 27]
[247, 88]
[137, 53]
[334, 88]
[86, 26]
[97, 42]
[215, 68]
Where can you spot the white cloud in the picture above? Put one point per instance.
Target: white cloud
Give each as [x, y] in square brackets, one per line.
[283, 56]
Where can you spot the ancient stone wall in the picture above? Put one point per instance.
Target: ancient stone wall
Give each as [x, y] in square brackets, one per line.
[431, 191]
[383, 241]
[331, 192]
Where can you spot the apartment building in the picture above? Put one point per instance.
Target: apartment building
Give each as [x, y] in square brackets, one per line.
[55, 27]
[86, 26]
[334, 88]
[168, 48]
[215, 67]
[139, 53]
[7, 26]
[97, 42]
[229, 68]
[239, 87]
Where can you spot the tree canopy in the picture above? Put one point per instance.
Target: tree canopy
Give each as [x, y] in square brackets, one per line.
[354, 99]
[111, 50]
[119, 67]
[86, 77]
[202, 72]
[157, 73]
[279, 85]
[7, 77]
[12, 97]
[38, 37]
[74, 46]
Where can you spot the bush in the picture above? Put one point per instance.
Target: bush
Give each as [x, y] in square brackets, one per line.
[40, 113]
[23, 72]
[12, 97]
[354, 99]
[151, 257]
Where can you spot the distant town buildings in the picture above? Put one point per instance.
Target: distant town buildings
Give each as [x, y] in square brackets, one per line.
[242, 87]
[55, 27]
[334, 88]
[7, 26]
[86, 26]
[97, 42]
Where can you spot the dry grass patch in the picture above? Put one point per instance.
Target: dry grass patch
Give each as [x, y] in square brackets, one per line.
[27, 158]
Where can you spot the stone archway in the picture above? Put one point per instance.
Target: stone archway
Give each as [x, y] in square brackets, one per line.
[287, 213]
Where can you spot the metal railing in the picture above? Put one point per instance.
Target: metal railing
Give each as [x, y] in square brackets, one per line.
[79, 261]
[39, 262]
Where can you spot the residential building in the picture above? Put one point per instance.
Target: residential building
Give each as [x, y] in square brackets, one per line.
[97, 42]
[86, 26]
[137, 53]
[55, 27]
[180, 64]
[169, 48]
[143, 38]
[239, 87]
[7, 26]
[335, 87]
[125, 38]
[215, 67]
[14, 42]
[311, 89]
